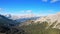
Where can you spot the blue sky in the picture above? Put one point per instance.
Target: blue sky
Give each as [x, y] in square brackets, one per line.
[37, 7]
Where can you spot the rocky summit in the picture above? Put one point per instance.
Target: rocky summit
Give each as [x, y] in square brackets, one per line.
[51, 19]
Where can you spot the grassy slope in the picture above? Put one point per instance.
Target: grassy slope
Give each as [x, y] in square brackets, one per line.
[39, 29]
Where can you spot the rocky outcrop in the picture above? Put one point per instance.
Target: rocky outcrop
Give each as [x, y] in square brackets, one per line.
[51, 19]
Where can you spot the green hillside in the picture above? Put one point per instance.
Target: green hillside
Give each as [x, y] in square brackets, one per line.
[40, 28]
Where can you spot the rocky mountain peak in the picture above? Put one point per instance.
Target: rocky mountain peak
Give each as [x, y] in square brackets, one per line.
[51, 19]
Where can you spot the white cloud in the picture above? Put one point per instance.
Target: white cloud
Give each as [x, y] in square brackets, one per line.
[27, 11]
[44, 0]
[50, 10]
[53, 1]
[1, 9]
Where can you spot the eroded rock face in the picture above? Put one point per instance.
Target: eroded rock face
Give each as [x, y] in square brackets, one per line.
[51, 19]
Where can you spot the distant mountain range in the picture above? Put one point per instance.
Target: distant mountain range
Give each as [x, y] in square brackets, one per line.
[20, 18]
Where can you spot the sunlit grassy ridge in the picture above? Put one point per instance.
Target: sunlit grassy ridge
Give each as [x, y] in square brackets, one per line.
[40, 28]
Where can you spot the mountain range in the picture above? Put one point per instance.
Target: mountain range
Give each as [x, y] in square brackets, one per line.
[4, 21]
[25, 19]
[53, 19]
[15, 21]
[9, 26]
[21, 18]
